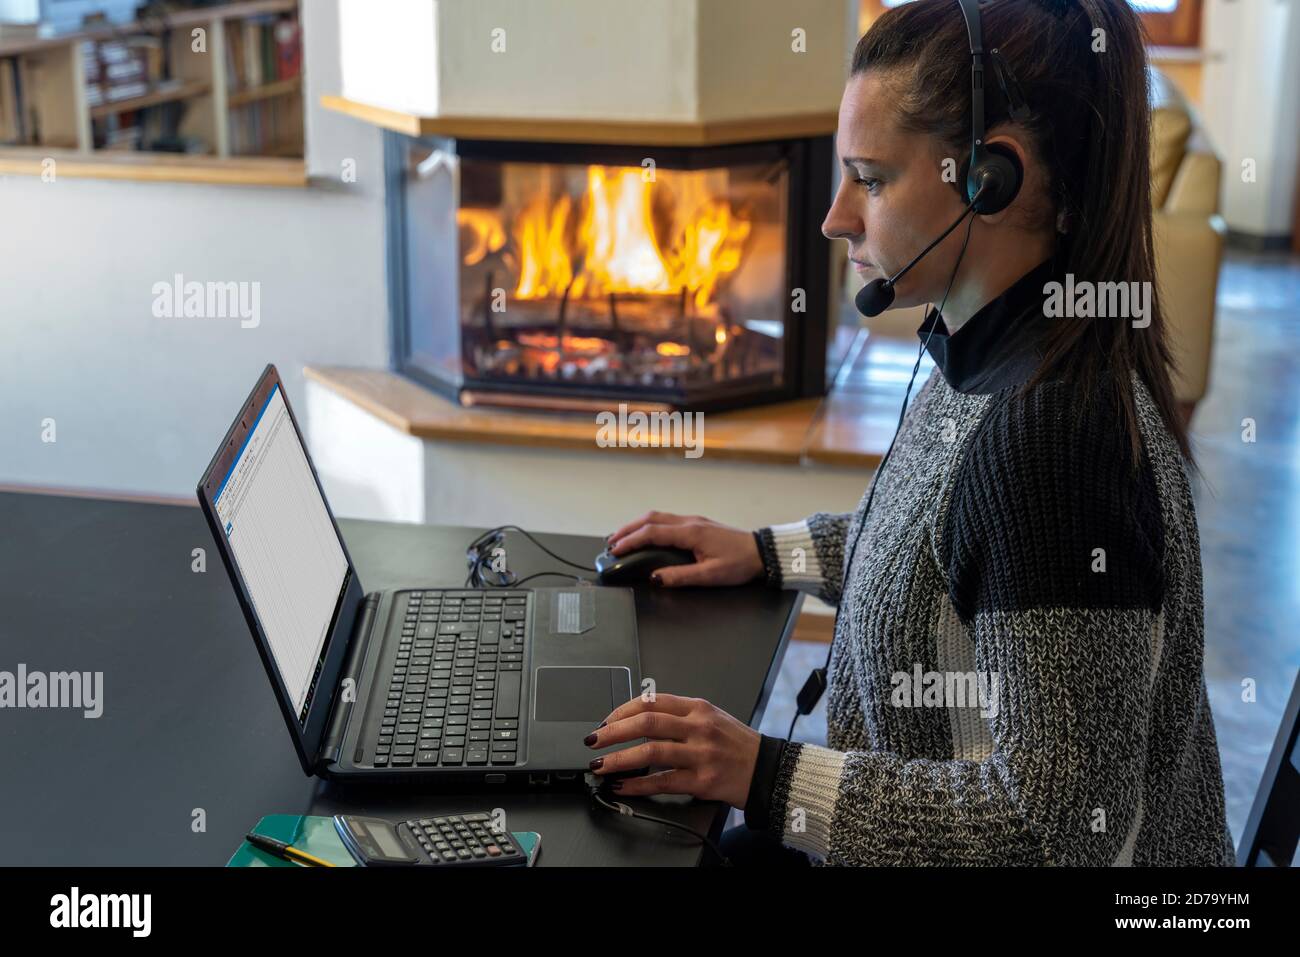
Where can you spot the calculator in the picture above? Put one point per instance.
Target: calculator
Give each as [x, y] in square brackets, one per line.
[456, 840]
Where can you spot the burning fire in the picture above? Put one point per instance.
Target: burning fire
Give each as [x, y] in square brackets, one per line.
[589, 345]
[617, 238]
[485, 232]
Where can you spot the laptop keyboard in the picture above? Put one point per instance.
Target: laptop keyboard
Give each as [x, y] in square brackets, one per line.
[453, 700]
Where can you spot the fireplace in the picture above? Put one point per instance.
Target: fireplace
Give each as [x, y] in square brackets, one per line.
[579, 275]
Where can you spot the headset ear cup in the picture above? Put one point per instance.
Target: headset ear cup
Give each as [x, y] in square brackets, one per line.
[996, 163]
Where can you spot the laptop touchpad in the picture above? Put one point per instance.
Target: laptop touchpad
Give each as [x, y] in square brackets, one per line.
[580, 694]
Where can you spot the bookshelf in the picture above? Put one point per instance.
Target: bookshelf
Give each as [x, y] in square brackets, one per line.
[156, 100]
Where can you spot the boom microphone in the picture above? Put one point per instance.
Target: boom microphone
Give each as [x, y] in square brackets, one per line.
[875, 297]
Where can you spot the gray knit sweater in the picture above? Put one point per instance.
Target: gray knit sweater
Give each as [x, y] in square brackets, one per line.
[1016, 674]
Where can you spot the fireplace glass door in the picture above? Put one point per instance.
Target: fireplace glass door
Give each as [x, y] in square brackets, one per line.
[569, 275]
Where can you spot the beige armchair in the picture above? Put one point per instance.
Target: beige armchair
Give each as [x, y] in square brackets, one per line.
[1188, 235]
[1185, 175]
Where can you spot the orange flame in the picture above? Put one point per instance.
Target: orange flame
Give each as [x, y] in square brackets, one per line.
[611, 244]
[485, 233]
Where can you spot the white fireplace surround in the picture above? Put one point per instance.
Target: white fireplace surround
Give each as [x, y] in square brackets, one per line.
[687, 61]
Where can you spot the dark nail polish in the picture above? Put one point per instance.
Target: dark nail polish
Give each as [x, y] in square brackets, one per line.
[616, 785]
[590, 739]
[656, 580]
[595, 764]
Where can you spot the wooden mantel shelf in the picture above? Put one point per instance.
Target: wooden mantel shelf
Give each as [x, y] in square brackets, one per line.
[850, 428]
[647, 133]
[155, 167]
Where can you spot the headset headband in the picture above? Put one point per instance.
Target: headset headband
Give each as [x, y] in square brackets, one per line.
[970, 11]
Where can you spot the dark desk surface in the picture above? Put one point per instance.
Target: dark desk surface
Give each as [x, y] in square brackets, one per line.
[189, 720]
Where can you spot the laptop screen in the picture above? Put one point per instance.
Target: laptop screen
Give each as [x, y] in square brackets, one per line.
[283, 540]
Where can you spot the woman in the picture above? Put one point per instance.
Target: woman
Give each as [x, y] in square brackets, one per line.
[1033, 527]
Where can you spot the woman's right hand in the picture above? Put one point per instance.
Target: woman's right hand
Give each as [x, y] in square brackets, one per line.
[723, 555]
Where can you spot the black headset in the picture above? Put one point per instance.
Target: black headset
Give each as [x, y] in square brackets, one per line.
[993, 179]
[994, 173]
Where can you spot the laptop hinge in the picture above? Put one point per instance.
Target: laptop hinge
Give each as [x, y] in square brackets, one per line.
[345, 695]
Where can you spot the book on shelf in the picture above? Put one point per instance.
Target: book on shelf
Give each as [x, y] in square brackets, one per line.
[262, 50]
[119, 70]
[252, 54]
[288, 44]
[124, 138]
[15, 124]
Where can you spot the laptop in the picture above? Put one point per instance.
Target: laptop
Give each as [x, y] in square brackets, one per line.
[441, 685]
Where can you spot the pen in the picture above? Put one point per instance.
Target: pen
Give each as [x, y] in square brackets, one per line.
[286, 851]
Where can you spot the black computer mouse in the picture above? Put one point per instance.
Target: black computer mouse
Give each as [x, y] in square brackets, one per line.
[635, 567]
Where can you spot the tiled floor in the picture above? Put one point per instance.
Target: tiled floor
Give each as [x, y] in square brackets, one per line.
[1248, 504]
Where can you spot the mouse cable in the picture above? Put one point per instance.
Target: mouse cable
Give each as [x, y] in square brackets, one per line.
[813, 688]
[479, 555]
[618, 807]
[578, 579]
[496, 533]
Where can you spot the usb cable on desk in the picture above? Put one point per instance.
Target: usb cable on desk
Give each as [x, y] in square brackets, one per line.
[479, 556]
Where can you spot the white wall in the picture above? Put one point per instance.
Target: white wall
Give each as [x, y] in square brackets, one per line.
[1250, 87]
[140, 403]
[19, 11]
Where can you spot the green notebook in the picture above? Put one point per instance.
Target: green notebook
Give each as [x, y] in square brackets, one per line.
[316, 835]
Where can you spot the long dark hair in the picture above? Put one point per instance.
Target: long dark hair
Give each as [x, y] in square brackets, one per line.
[1090, 126]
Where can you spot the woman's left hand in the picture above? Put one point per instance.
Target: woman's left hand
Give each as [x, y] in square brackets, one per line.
[708, 753]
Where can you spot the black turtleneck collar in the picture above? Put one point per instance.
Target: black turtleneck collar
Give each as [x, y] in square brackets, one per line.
[999, 346]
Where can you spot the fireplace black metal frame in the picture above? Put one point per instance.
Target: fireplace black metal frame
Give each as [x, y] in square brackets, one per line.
[807, 368]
